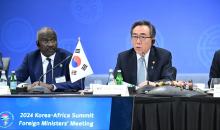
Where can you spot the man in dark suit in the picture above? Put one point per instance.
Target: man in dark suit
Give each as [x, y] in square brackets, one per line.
[42, 60]
[215, 67]
[157, 62]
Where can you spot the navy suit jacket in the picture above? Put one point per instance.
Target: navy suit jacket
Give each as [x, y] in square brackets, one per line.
[215, 67]
[32, 67]
[159, 65]
[1, 64]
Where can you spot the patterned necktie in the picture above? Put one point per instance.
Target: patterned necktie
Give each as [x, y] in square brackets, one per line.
[49, 74]
[141, 70]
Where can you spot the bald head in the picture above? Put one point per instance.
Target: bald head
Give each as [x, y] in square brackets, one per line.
[47, 41]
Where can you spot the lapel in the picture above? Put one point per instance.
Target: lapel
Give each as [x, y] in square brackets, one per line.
[58, 70]
[151, 63]
[133, 66]
[38, 67]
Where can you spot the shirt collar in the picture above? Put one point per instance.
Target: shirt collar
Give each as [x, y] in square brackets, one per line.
[44, 58]
[145, 56]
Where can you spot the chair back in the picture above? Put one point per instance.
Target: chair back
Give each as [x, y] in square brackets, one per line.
[174, 72]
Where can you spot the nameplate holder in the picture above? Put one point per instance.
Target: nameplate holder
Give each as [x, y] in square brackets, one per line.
[216, 90]
[109, 89]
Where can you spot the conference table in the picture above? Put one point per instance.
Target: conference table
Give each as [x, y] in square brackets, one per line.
[176, 113]
[159, 113]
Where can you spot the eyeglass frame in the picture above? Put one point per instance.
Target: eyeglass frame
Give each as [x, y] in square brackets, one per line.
[141, 37]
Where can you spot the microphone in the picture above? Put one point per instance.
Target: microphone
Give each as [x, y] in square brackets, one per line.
[54, 67]
[41, 89]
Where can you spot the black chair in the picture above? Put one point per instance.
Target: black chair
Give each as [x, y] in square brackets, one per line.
[173, 71]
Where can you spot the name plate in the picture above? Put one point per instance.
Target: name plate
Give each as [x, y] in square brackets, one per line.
[109, 89]
[216, 90]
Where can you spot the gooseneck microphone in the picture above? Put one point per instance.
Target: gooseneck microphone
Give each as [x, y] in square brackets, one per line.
[54, 67]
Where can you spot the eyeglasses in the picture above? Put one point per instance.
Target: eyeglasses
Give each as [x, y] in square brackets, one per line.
[141, 38]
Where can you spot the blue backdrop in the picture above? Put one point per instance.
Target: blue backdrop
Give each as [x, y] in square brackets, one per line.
[190, 29]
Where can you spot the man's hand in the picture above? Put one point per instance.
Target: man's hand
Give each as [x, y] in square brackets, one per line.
[148, 83]
[37, 83]
[143, 84]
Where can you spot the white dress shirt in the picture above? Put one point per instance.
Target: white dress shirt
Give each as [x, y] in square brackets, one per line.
[45, 63]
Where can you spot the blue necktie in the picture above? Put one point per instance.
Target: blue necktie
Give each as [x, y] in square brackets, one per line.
[141, 71]
[49, 74]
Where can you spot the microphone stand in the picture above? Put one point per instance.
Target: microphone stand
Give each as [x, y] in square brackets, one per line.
[54, 68]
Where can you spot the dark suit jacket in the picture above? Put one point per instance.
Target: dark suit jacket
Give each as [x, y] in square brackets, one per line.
[32, 67]
[1, 64]
[215, 67]
[159, 65]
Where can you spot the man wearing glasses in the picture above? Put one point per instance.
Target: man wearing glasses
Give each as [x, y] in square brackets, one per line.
[48, 65]
[215, 68]
[144, 62]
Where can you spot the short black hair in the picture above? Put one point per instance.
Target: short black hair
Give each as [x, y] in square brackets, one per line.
[48, 30]
[147, 23]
